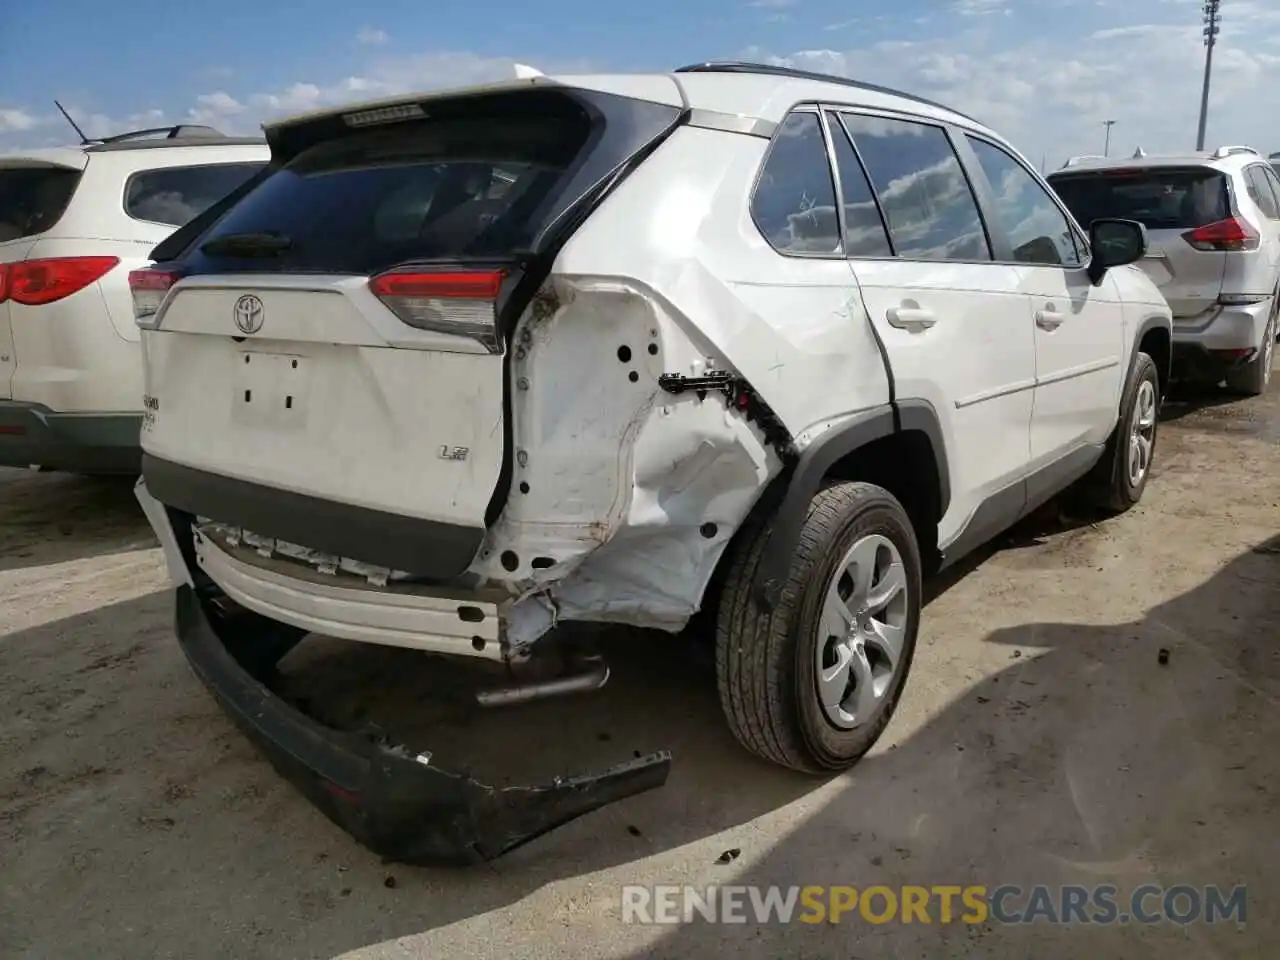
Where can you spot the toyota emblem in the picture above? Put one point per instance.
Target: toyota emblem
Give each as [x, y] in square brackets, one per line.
[248, 314]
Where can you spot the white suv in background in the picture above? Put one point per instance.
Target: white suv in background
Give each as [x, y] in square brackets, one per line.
[1214, 224]
[463, 366]
[73, 223]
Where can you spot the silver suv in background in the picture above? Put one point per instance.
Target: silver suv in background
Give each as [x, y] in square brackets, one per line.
[1213, 221]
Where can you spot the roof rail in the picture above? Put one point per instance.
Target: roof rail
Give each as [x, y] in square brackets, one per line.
[180, 135]
[171, 133]
[770, 70]
[1223, 152]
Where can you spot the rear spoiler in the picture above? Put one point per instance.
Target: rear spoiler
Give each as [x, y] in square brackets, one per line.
[289, 137]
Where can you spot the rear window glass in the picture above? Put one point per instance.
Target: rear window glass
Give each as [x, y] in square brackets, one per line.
[470, 187]
[1173, 199]
[33, 199]
[174, 195]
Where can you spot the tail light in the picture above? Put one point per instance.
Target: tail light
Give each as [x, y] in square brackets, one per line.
[4, 282]
[1227, 235]
[459, 302]
[149, 288]
[34, 283]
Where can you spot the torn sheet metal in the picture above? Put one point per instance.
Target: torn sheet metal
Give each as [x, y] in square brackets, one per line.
[625, 493]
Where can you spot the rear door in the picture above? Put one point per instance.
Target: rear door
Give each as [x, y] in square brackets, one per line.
[337, 334]
[1171, 201]
[34, 194]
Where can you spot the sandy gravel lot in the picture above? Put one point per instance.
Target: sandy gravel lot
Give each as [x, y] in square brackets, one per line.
[1040, 741]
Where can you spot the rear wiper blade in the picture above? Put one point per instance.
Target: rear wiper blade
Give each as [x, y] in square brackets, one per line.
[265, 244]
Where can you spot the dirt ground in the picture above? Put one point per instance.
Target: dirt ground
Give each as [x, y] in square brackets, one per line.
[1040, 741]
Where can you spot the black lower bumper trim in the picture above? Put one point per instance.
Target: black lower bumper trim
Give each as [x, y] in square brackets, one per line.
[427, 548]
[402, 808]
[33, 435]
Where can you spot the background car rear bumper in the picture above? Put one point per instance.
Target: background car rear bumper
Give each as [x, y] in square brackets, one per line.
[1222, 328]
[32, 434]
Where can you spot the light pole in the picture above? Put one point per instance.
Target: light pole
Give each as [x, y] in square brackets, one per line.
[1212, 21]
[1106, 146]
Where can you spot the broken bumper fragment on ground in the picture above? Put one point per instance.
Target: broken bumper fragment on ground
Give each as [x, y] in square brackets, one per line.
[393, 800]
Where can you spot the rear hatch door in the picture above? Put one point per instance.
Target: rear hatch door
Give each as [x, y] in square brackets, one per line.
[340, 331]
[34, 194]
[1169, 201]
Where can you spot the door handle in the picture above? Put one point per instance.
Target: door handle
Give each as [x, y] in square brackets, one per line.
[1049, 318]
[914, 319]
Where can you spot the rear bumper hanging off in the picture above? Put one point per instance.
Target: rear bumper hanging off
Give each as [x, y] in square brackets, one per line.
[393, 801]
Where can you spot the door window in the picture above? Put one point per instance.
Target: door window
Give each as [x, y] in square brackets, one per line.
[923, 192]
[174, 195]
[33, 199]
[864, 230]
[1038, 230]
[1260, 192]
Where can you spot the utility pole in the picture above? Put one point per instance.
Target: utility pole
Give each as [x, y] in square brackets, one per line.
[1212, 21]
[1106, 147]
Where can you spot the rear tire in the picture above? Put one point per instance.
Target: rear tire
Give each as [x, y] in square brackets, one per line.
[812, 684]
[1121, 475]
[1253, 378]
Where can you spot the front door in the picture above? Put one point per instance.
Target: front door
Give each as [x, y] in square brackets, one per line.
[1078, 328]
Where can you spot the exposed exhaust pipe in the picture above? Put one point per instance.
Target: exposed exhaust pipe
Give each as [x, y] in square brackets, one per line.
[594, 676]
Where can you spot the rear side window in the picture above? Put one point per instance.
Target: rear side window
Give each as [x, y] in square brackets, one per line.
[794, 204]
[33, 199]
[1260, 192]
[465, 187]
[174, 195]
[923, 191]
[1159, 198]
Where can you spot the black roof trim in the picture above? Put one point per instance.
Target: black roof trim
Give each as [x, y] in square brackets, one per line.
[766, 69]
[181, 135]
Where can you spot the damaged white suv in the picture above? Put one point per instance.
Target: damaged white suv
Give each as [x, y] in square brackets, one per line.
[459, 367]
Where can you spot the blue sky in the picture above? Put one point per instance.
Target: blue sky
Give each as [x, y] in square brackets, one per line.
[1046, 72]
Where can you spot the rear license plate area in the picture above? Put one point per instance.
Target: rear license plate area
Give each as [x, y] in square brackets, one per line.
[271, 390]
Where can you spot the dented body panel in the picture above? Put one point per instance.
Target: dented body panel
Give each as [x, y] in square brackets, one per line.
[633, 493]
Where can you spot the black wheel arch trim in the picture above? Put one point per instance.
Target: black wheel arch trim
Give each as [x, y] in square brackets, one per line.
[805, 478]
[1153, 322]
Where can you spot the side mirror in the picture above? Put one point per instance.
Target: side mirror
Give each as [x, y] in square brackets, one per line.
[1115, 243]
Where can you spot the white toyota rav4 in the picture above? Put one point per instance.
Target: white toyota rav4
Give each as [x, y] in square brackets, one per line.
[73, 222]
[771, 345]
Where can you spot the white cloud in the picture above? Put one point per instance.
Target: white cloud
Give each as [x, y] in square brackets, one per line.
[773, 4]
[211, 107]
[371, 37]
[1050, 95]
[16, 121]
[385, 77]
[980, 8]
[1047, 93]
